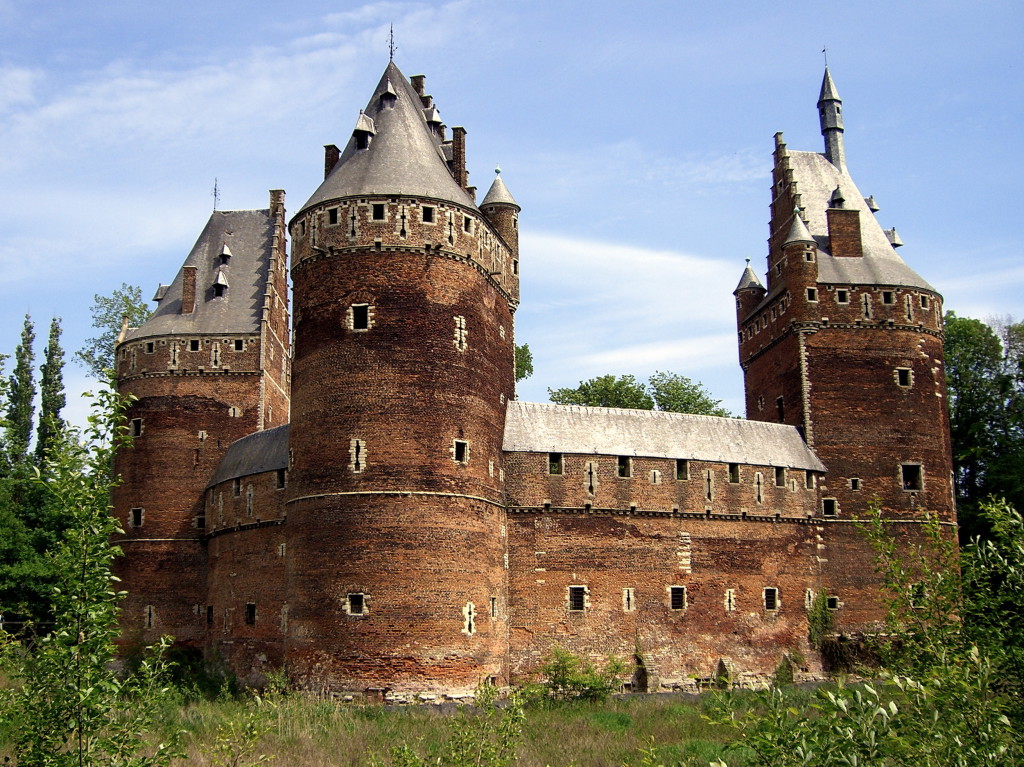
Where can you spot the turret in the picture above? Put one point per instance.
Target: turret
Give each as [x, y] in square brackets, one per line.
[830, 114]
[502, 211]
[749, 293]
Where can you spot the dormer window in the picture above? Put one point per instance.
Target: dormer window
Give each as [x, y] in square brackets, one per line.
[364, 130]
[388, 97]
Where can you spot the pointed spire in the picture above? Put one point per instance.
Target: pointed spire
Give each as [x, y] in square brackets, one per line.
[498, 194]
[830, 115]
[748, 280]
[798, 232]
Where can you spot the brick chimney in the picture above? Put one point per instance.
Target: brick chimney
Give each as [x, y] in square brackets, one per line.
[459, 156]
[331, 155]
[844, 233]
[188, 290]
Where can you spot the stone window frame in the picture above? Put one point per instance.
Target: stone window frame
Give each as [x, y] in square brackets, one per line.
[904, 377]
[734, 474]
[333, 216]
[577, 598]
[432, 210]
[469, 619]
[729, 600]
[239, 344]
[460, 450]
[624, 467]
[136, 427]
[357, 604]
[810, 480]
[911, 482]
[889, 297]
[829, 508]
[461, 334]
[556, 464]
[855, 483]
[351, 315]
[678, 599]
[357, 455]
[655, 477]
[842, 296]
[812, 295]
[832, 602]
[381, 208]
[682, 469]
[628, 599]
[771, 599]
[136, 516]
[780, 476]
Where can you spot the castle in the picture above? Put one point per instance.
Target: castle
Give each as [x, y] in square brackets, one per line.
[355, 494]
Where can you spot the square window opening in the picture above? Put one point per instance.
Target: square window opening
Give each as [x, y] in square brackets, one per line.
[832, 603]
[812, 295]
[911, 475]
[149, 347]
[428, 214]
[467, 224]
[842, 297]
[332, 216]
[904, 377]
[625, 467]
[378, 211]
[239, 345]
[282, 478]
[193, 345]
[924, 302]
[356, 603]
[888, 297]
[855, 483]
[828, 507]
[554, 463]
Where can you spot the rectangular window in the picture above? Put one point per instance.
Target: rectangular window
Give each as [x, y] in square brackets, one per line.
[250, 613]
[428, 214]
[149, 615]
[378, 211]
[682, 469]
[780, 409]
[360, 316]
[832, 603]
[625, 468]
[494, 607]
[209, 615]
[236, 486]
[467, 224]
[201, 521]
[842, 297]
[924, 302]
[771, 599]
[193, 345]
[577, 598]
[461, 451]
[239, 345]
[888, 297]
[809, 481]
[355, 604]
[677, 597]
[904, 377]
[554, 463]
[136, 427]
[282, 478]
[828, 507]
[812, 295]
[332, 216]
[136, 518]
[855, 483]
[734, 472]
[912, 476]
[780, 476]
[149, 347]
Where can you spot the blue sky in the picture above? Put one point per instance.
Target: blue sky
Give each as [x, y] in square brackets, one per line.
[637, 139]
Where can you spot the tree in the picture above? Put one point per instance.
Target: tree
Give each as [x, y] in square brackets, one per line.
[985, 382]
[679, 394]
[606, 391]
[66, 704]
[670, 392]
[51, 393]
[108, 315]
[21, 393]
[524, 362]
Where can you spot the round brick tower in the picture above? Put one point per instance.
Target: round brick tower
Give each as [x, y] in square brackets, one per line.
[404, 294]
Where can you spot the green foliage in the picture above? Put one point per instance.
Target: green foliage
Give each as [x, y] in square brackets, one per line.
[663, 391]
[66, 704]
[21, 394]
[568, 677]
[108, 316]
[238, 737]
[820, 621]
[985, 382]
[524, 362]
[485, 737]
[51, 393]
[783, 675]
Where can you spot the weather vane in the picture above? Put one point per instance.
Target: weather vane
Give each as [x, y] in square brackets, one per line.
[216, 194]
[825, 51]
[391, 43]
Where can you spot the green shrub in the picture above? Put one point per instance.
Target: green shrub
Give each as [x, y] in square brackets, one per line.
[568, 677]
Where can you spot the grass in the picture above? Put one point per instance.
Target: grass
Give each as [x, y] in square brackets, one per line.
[317, 733]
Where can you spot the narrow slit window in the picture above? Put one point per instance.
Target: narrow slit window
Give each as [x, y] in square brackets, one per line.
[357, 454]
[554, 463]
[628, 600]
[250, 613]
[780, 409]
[494, 607]
[809, 480]
[730, 600]
[677, 597]
[282, 478]
[149, 616]
[236, 486]
[771, 599]
[577, 598]
[209, 615]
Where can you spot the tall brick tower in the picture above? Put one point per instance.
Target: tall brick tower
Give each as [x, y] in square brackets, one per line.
[210, 366]
[846, 344]
[404, 293]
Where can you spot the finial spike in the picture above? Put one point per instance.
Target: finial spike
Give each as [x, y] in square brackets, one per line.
[391, 44]
[215, 193]
[497, 170]
[824, 50]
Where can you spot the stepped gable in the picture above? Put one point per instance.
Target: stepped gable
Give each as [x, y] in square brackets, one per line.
[404, 156]
[532, 427]
[265, 450]
[248, 235]
[817, 179]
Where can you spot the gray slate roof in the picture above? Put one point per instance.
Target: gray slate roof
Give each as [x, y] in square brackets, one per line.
[249, 235]
[545, 428]
[748, 280]
[498, 193]
[263, 451]
[403, 158]
[816, 180]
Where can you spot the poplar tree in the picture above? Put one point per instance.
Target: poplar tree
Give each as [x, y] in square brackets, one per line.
[20, 395]
[51, 393]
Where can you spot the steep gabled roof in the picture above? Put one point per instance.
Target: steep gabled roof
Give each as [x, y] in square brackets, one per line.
[543, 428]
[248, 235]
[403, 157]
[817, 180]
[265, 450]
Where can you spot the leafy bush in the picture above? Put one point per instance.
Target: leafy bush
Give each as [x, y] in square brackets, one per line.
[568, 677]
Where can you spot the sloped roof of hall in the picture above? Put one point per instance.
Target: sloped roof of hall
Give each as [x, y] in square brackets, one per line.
[817, 179]
[532, 427]
[261, 451]
[404, 156]
[249, 237]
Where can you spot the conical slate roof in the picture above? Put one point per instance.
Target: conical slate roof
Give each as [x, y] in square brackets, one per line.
[498, 193]
[403, 157]
[798, 232]
[828, 89]
[749, 280]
